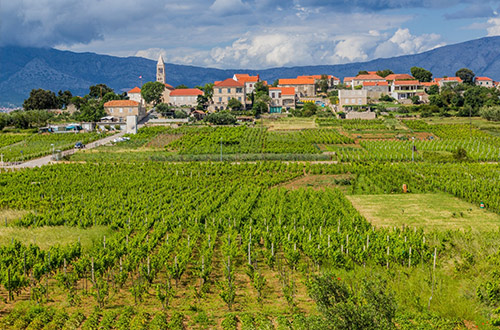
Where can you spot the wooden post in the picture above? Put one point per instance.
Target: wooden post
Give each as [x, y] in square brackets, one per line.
[387, 257]
[409, 258]
[433, 278]
[92, 265]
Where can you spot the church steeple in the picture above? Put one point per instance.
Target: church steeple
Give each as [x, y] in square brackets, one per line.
[160, 70]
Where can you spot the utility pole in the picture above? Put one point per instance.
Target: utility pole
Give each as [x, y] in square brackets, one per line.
[413, 149]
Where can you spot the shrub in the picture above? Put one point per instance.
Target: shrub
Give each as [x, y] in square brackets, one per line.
[490, 113]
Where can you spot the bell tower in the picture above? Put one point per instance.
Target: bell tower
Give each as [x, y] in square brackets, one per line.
[160, 70]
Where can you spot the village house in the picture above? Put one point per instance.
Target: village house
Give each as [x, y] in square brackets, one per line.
[226, 90]
[348, 81]
[248, 80]
[485, 82]
[304, 87]
[185, 97]
[135, 94]
[403, 90]
[331, 80]
[448, 81]
[121, 109]
[398, 76]
[352, 97]
[359, 79]
[281, 97]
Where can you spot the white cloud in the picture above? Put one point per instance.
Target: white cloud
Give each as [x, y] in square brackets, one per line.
[404, 43]
[152, 53]
[493, 27]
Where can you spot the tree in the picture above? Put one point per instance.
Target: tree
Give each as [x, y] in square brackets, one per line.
[309, 109]
[180, 114]
[110, 96]
[490, 113]
[92, 111]
[466, 75]
[384, 73]
[181, 86]
[221, 118]
[433, 90]
[152, 92]
[40, 99]
[260, 107]
[234, 104]
[63, 99]
[163, 109]
[361, 305]
[276, 83]
[421, 74]
[415, 99]
[99, 90]
[460, 154]
[362, 72]
[322, 85]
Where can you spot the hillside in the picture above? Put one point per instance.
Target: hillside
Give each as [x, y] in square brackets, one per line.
[22, 69]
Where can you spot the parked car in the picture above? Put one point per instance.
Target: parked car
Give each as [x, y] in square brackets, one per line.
[79, 145]
[121, 139]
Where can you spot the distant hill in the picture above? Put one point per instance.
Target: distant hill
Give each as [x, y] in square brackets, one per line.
[22, 69]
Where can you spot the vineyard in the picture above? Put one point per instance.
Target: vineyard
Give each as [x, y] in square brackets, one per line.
[175, 238]
[205, 235]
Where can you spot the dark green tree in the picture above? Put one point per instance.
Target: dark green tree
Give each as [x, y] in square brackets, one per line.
[221, 118]
[260, 107]
[466, 75]
[63, 99]
[99, 90]
[362, 72]
[433, 90]
[234, 104]
[384, 73]
[181, 86]
[356, 305]
[40, 99]
[91, 111]
[421, 74]
[163, 109]
[152, 92]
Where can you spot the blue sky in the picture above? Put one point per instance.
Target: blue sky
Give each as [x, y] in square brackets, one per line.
[249, 34]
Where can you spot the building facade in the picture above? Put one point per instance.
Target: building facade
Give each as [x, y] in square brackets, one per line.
[120, 109]
[226, 90]
[185, 97]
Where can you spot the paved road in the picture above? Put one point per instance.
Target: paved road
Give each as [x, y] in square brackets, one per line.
[48, 159]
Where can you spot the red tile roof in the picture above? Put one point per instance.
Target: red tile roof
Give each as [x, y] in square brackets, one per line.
[169, 87]
[284, 90]
[429, 84]
[375, 83]
[297, 81]
[316, 76]
[134, 90]
[121, 103]
[484, 79]
[448, 79]
[348, 79]
[407, 82]
[368, 77]
[186, 92]
[397, 76]
[241, 75]
[229, 82]
[248, 79]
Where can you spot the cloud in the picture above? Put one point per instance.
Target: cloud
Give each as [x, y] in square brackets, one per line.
[493, 28]
[229, 7]
[404, 43]
[472, 11]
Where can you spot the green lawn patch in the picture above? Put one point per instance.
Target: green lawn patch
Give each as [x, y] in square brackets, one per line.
[429, 211]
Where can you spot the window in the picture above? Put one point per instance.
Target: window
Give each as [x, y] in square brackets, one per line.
[228, 98]
[121, 110]
[239, 90]
[359, 101]
[273, 95]
[129, 110]
[111, 110]
[279, 95]
[250, 85]
[229, 90]
[239, 98]
[220, 99]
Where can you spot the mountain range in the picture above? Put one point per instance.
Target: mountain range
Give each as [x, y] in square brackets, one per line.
[23, 69]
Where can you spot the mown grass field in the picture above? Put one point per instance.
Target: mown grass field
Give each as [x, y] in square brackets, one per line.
[436, 211]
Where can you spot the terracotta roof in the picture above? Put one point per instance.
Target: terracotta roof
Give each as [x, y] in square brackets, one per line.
[397, 76]
[407, 82]
[368, 77]
[348, 79]
[484, 79]
[248, 79]
[229, 82]
[287, 91]
[169, 87]
[448, 79]
[186, 92]
[241, 75]
[297, 81]
[317, 76]
[428, 84]
[134, 90]
[121, 103]
[375, 83]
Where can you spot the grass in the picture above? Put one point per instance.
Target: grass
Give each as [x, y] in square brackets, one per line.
[429, 211]
[9, 215]
[292, 123]
[46, 237]
[340, 181]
